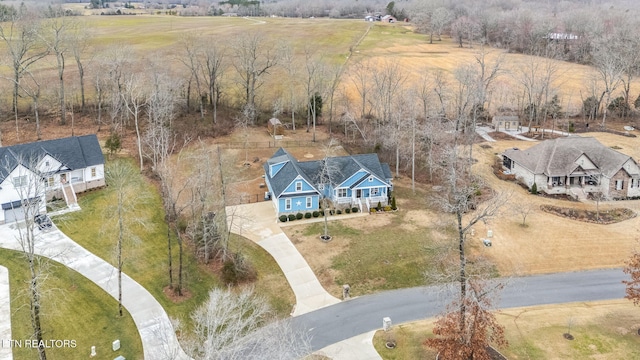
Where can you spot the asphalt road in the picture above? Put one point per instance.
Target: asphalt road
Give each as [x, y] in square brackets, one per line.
[342, 321]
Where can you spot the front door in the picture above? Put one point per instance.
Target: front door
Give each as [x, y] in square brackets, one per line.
[358, 193]
[63, 178]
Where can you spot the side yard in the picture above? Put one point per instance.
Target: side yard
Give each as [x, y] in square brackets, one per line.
[145, 253]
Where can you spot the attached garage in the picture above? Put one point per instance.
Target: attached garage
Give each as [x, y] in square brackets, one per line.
[13, 212]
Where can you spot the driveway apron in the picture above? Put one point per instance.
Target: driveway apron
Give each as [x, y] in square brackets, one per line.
[258, 223]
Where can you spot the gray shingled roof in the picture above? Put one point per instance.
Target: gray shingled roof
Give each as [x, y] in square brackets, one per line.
[286, 174]
[557, 157]
[349, 165]
[344, 167]
[76, 152]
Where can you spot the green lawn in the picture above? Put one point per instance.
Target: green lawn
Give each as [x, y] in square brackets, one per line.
[146, 262]
[271, 281]
[371, 257]
[145, 259]
[74, 308]
[373, 262]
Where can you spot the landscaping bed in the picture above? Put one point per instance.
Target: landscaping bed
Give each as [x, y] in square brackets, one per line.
[604, 217]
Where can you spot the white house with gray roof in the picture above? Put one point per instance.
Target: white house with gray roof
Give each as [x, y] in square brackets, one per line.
[575, 166]
[348, 181]
[42, 170]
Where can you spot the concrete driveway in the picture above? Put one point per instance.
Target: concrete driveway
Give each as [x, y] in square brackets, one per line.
[159, 340]
[258, 222]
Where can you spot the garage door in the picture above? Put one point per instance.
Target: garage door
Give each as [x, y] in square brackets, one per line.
[13, 211]
[13, 215]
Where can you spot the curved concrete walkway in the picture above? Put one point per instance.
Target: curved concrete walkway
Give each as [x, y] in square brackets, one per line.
[159, 341]
[5, 315]
[258, 222]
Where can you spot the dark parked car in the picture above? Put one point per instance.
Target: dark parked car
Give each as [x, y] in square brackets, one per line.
[43, 221]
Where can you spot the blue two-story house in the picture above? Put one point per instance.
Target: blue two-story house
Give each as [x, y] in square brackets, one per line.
[346, 181]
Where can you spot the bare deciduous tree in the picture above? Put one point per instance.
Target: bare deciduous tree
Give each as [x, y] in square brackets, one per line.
[31, 87]
[208, 225]
[215, 65]
[333, 75]
[537, 76]
[524, 210]
[314, 85]
[329, 170]
[192, 60]
[20, 35]
[609, 70]
[56, 35]
[291, 66]
[238, 325]
[363, 83]
[133, 99]
[25, 176]
[432, 19]
[123, 182]
[80, 44]
[468, 328]
[465, 28]
[254, 58]
[159, 139]
[388, 80]
[175, 201]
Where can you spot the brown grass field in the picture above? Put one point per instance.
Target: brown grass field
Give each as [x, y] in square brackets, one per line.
[156, 43]
[547, 244]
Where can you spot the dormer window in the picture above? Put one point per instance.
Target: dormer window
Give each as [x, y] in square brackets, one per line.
[298, 185]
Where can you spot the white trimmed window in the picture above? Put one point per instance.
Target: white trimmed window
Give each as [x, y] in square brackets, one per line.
[298, 185]
[375, 191]
[93, 172]
[619, 184]
[341, 193]
[20, 181]
[287, 204]
[370, 178]
[309, 202]
[50, 181]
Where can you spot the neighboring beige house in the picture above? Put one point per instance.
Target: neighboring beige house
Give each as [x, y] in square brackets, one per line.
[505, 122]
[575, 166]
